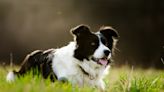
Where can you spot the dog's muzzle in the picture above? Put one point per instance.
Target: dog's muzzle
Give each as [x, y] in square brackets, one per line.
[102, 61]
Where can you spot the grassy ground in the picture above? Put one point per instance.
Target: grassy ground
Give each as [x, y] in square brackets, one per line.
[118, 80]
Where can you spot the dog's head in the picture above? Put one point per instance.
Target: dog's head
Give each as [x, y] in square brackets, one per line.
[94, 46]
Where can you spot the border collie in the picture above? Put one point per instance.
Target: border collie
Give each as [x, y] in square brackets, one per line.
[84, 61]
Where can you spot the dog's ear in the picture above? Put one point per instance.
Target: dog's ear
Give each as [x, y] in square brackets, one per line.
[80, 30]
[109, 32]
[111, 36]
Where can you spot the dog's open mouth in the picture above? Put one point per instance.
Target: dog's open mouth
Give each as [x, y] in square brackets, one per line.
[101, 61]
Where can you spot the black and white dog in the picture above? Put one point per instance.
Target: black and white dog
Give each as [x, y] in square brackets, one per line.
[83, 61]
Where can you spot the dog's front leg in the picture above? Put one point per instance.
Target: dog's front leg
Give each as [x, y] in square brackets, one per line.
[101, 86]
[63, 79]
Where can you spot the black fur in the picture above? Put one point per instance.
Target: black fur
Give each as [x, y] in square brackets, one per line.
[87, 42]
[39, 62]
[107, 36]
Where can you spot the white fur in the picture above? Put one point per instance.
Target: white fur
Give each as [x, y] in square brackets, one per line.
[10, 77]
[66, 66]
[99, 53]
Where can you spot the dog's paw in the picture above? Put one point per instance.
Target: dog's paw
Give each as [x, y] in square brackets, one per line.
[63, 80]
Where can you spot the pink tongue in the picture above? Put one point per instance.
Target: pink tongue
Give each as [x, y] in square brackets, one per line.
[103, 62]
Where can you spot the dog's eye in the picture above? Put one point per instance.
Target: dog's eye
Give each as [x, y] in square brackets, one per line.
[93, 43]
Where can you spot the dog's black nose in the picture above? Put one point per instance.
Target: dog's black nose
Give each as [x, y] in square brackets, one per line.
[106, 52]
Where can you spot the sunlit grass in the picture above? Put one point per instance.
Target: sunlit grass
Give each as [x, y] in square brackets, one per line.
[119, 80]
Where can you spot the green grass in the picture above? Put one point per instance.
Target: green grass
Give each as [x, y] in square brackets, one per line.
[118, 80]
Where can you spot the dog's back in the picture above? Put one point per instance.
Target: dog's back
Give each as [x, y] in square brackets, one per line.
[37, 62]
